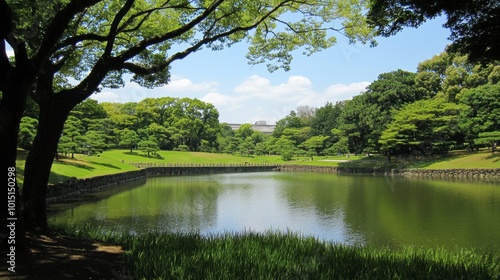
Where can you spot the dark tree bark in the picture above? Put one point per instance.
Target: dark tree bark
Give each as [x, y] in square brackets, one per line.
[15, 82]
[11, 110]
[53, 114]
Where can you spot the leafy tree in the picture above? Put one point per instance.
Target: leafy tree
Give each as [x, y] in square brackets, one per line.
[341, 146]
[474, 25]
[247, 147]
[355, 124]
[492, 138]
[182, 148]
[482, 113]
[161, 134]
[258, 137]
[326, 118]
[389, 92]
[426, 126]
[90, 109]
[27, 132]
[314, 145]
[225, 130]
[365, 117]
[297, 135]
[197, 120]
[292, 120]
[206, 147]
[155, 110]
[267, 147]
[129, 139]
[94, 142]
[94, 42]
[286, 148]
[149, 146]
[123, 116]
[72, 139]
[451, 74]
[244, 131]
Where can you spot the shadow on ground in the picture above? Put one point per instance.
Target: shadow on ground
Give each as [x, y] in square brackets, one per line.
[105, 164]
[495, 157]
[63, 257]
[157, 156]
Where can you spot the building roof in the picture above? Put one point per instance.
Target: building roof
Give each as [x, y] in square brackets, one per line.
[259, 126]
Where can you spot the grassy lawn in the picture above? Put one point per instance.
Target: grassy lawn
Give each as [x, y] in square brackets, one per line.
[483, 159]
[115, 161]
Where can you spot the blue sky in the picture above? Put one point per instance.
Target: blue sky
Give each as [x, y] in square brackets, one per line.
[245, 94]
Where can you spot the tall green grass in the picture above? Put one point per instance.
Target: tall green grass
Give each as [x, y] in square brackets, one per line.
[275, 255]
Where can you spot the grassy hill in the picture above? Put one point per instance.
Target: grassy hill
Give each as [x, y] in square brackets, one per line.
[115, 161]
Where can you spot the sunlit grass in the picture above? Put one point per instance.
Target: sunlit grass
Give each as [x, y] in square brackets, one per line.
[483, 159]
[275, 255]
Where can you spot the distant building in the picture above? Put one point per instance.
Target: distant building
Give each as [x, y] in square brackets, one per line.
[258, 126]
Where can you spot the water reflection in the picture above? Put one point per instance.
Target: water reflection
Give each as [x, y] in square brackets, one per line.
[346, 209]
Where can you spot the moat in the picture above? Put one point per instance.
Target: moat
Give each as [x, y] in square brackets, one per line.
[352, 209]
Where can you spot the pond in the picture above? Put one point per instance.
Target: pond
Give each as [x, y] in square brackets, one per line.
[368, 210]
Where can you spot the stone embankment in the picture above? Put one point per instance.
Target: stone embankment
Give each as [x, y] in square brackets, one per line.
[473, 174]
[76, 187]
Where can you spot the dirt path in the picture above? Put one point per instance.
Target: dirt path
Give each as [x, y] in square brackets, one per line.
[63, 257]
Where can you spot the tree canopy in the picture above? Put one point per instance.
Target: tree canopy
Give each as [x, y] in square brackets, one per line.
[474, 24]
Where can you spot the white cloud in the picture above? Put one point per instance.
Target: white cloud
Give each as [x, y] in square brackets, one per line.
[183, 84]
[340, 92]
[298, 90]
[10, 53]
[221, 100]
[334, 93]
[106, 96]
[294, 89]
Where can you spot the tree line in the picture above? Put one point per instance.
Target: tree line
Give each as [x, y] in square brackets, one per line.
[449, 103]
[149, 125]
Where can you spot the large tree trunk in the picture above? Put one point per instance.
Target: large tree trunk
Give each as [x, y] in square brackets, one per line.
[53, 114]
[11, 110]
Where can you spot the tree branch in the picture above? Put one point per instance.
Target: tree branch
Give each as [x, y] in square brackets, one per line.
[133, 51]
[71, 41]
[141, 70]
[114, 27]
[57, 27]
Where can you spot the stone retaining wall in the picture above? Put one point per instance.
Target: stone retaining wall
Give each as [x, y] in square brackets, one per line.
[474, 174]
[89, 185]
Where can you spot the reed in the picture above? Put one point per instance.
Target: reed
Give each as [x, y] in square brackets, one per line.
[277, 255]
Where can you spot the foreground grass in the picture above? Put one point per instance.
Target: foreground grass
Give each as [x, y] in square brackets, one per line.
[276, 255]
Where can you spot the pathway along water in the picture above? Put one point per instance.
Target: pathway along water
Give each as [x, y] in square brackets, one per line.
[372, 210]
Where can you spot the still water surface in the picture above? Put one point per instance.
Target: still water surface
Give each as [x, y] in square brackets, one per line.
[369, 210]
